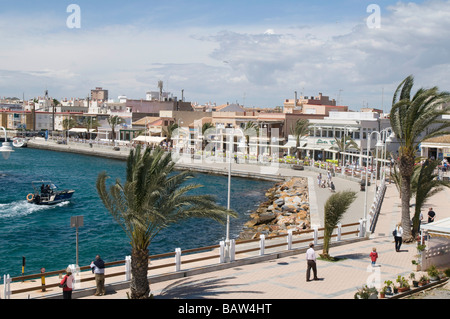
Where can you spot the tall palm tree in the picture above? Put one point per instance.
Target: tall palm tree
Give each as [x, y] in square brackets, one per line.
[335, 208]
[427, 185]
[152, 198]
[205, 127]
[113, 121]
[300, 129]
[91, 123]
[344, 143]
[68, 123]
[414, 119]
[169, 131]
[251, 129]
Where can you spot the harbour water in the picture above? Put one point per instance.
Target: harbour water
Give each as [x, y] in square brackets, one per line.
[42, 234]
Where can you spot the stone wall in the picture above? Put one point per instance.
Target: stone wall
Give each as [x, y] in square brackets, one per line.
[287, 207]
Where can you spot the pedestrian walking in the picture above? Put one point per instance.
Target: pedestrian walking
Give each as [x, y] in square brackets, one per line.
[311, 262]
[98, 268]
[398, 233]
[67, 284]
[373, 256]
[431, 215]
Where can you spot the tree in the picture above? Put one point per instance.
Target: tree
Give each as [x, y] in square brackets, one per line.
[91, 123]
[342, 144]
[300, 129]
[414, 119]
[205, 127]
[334, 210]
[251, 129]
[426, 186]
[113, 121]
[169, 130]
[68, 123]
[152, 198]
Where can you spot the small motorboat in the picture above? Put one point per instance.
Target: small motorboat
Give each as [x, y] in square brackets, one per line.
[46, 193]
[19, 142]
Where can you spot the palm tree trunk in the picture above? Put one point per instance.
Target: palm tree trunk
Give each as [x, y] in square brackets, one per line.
[405, 200]
[140, 286]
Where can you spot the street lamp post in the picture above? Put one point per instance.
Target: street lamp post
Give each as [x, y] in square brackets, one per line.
[227, 240]
[6, 148]
[367, 169]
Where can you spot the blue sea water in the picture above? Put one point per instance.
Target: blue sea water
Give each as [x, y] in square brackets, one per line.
[42, 234]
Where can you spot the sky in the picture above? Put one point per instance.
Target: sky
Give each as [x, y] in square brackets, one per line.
[255, 53]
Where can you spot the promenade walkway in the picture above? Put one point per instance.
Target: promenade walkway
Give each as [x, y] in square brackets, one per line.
[284, 278]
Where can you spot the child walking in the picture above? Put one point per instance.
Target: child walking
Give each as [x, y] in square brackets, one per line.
[373, 256]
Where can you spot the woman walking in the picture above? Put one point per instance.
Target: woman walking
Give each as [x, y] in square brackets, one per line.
[398, 233]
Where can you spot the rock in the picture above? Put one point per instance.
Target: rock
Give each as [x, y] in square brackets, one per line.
[279, 202]
[287, 207]
[265, 218]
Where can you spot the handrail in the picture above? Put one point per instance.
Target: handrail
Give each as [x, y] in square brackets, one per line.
[172, 254]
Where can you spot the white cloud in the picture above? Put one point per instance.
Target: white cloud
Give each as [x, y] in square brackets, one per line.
[224, 63]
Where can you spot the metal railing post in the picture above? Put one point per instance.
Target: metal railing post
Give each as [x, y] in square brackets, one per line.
[7, 286]
[316, 235]
[177, 259]
[222, 252]
[232, 249]
[339, 232]
[262, 244]
[289, 239]
[127, 268]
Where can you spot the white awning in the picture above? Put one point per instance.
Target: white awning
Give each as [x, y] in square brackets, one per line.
[80, 130]
[440, 228]
[149, 139]
[290, 143]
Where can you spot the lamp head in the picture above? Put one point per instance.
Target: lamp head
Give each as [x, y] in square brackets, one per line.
[6, 150]
[390, 138]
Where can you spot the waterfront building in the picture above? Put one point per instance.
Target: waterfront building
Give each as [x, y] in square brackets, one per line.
[99, 94]
[312, 105]
[321, 142]
[436, 148]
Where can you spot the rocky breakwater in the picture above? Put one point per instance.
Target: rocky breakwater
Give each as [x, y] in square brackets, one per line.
[287, 207]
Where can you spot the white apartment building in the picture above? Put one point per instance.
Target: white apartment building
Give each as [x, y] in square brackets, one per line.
[321, 143]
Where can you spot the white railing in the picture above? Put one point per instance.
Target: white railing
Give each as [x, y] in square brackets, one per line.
[264, 245]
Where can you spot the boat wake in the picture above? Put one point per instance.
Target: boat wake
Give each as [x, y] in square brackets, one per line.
[23, 208]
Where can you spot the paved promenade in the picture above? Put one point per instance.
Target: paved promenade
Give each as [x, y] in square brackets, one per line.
[284, 278]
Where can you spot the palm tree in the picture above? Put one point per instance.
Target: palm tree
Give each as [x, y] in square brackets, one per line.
[205, 127]
[251, 129]
[169, 131]
[414, 119]
[343, 144]
[113, 121]
[90, 123]
[300, 129]
[427, 185]
[68, 123]
[152, 198]
[334, 210]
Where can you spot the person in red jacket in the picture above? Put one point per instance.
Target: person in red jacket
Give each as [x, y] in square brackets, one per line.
[373, 256]
[67, 284]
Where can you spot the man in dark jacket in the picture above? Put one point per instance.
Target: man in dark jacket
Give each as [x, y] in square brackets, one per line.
[98, 268]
